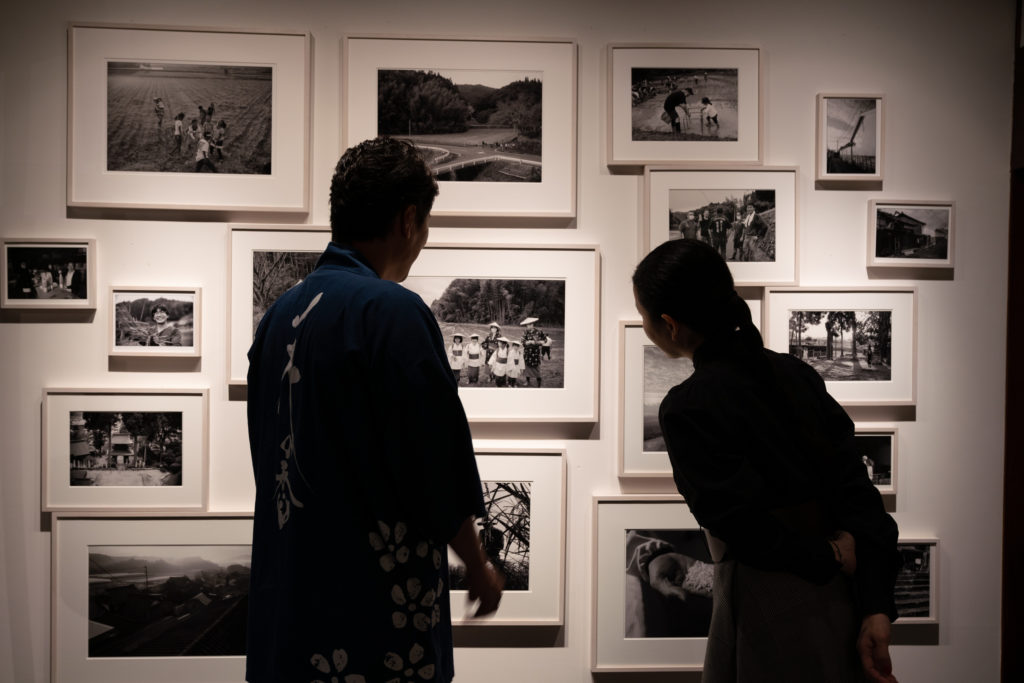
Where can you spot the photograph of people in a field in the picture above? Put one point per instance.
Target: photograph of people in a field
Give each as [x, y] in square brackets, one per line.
[47, 272]
[685, 104]
[661, 373]
[915, 232]
[499, 334]
[668, 584]
[470, 124]
[844, 346]
[189, 118]
[125, 449]
[274, 273]
[504, 534]
[168, 600]
[739, 224]
[154, 318]
[851, 130]
[875, 451]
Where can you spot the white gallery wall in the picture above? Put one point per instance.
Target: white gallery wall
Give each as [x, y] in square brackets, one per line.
[946, 72]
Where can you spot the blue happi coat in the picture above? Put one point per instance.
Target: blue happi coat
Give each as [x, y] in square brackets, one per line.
[364, 469]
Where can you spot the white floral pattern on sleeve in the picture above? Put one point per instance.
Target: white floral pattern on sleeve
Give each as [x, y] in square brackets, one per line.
[340, 661]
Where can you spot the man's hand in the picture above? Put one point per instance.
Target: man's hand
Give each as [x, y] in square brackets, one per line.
[485, 584]
[666, 573]
[845, 548]
[873, 648]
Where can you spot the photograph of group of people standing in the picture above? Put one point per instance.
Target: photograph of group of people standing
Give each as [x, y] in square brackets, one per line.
[739, 224]
[498, 360]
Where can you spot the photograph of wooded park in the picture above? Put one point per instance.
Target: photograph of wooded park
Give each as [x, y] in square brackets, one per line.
[125, 449]
[847, 346]
[470, 125]
[229, 106]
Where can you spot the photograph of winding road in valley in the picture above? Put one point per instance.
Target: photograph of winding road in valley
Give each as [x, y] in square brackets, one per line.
[470, 124]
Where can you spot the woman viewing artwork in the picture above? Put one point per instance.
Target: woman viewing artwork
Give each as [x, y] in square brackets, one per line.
[805, 554]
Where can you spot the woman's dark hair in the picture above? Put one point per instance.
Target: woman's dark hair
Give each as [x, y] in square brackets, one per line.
[691, 282]
[373, 182]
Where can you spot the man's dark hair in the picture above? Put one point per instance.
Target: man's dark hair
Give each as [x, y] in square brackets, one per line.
[373, 183]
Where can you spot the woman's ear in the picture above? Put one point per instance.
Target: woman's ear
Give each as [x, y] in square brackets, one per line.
[673, 327]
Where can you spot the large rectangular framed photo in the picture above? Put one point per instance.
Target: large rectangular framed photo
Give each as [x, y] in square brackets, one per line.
[188, 118]
[910, 234]
[683, 104]
[523, 534]
[155, 599]
[850, 141]
[48, 273]
[124, 449]
[634, 626]
[863, 342]
[495, 119]
[150, 322]
[748, 215]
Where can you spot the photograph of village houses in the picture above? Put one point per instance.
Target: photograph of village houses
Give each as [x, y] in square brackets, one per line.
[125, 449]
[912, 232]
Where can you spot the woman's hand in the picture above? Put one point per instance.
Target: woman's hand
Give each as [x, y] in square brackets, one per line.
[873, 648]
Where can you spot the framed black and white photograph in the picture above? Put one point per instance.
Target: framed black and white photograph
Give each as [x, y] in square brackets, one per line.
[160, 600]
[851, 138]
[131, 449]
[861, 341]
[534, 305]
[495, 119]
[684, 105]
[638, 622]
[749, 216]
[155, 322]
[878, 445]
[523, 535]
[176, 118]
[265, 261]
[917, 582]
[910, 234]
[48, 273]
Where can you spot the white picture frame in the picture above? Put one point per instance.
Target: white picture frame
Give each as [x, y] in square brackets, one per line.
[920, 557]
[880, 443]
[133, 335]
[152, 457]
[850, 140]
[768, 260]
[616, 592]
[113, 59]
[541, 602]
[638, 136]
[911, 234]
[889, 376]
[552, 61]
[33, 290]
[74, 539]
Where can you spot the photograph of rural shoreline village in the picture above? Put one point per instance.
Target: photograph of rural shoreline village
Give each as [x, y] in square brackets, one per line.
[843, 346]
[469, 124]
[125, 449]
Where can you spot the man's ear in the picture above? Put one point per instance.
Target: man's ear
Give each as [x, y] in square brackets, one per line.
[408, 221]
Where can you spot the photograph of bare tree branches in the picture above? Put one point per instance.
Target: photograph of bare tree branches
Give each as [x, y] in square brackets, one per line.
[273, 274]
[505, 534]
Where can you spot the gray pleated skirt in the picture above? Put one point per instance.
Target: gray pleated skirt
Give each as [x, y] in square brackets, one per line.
[774, 627]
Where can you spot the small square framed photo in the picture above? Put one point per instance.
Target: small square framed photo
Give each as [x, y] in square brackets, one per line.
[523, 534]
[917, 583]
[748, 215]
[863, 342]
[161, 600]
[635, 627]
[850, 138]
[910, 234]
[48, 274]
[124, 450]
[877, 445]
[688, 105]
[155, 322]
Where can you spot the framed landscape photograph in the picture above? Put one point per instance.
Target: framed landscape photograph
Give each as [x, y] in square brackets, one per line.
[523, 535]
[851, 138]
[155, 322]
[636, 626]
[877, 446]
[917, 583]
[160, 599]
[863, 342]
[749, 216]
[495, 119]
[188, 118]
[265, 261]
[124, 450]
[683, 105]
[910, 234]
[48, 273]
[537, 305]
